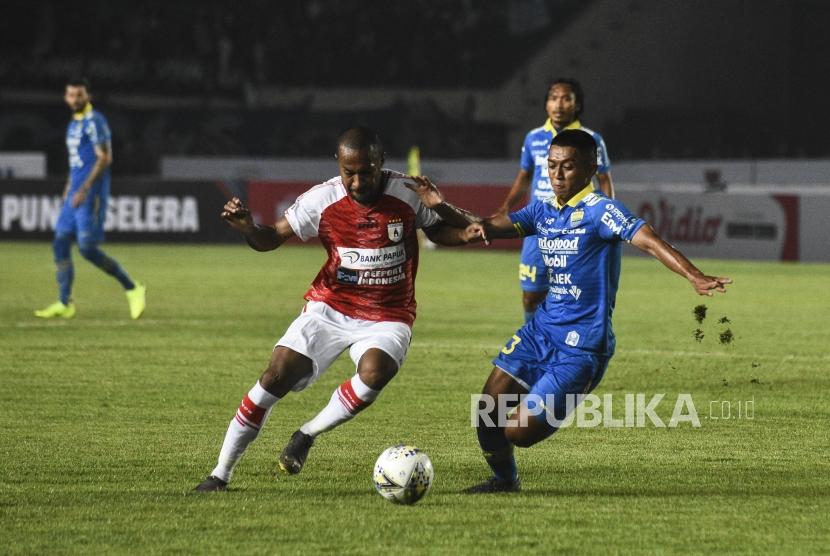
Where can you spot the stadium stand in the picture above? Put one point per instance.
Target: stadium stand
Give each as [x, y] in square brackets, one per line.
[261, 78]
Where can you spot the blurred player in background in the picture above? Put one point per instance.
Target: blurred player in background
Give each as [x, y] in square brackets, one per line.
[564, 103]
[84, 209]
[565, 348]
[363, 299]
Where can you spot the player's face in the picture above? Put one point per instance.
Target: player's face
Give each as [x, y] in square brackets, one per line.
[561, 105]
[361, 172]
[569, 171]
[76, 97]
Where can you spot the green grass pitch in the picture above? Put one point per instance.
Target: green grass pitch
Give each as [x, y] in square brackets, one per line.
[107, 424]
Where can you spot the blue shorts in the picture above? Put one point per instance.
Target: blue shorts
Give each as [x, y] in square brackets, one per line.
[533, 274]
[547, 372]
[86, 222]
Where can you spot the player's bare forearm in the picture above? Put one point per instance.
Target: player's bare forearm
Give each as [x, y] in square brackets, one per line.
[451, 236]
[455, 216]
[263, 238]
[499, 226]
[606, 184]
[81, 194]
[432, 198]
[518, 191]
[98, 168]
[646, 239]
[259, 237]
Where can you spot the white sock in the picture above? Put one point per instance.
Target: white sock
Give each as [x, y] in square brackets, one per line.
[347, 401]
[251, 416]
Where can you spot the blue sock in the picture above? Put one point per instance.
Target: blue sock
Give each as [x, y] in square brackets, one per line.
[109, 265]
[498, 452]
[65, 272]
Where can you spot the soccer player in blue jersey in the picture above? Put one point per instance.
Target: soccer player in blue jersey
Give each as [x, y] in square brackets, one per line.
[564, 104]
[84, 209]
[565, 348]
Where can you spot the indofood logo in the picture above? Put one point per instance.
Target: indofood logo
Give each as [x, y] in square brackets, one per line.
[557, 245]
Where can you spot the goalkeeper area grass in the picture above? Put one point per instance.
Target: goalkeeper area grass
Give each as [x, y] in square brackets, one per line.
[107, 424]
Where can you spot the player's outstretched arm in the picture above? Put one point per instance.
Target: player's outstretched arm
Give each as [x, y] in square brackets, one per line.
[259, 237]
[646, 239]
[433, 199]
[450, 236]
[499, 226]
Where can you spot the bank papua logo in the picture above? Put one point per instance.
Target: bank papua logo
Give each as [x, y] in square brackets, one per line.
[394, 229]
[357, 258]
[350, 257]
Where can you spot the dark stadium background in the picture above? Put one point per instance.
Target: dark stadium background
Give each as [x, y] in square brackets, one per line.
[722, 79]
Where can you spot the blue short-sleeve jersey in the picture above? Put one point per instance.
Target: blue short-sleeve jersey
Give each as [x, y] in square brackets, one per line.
[86, 130]
[581, 246]
[535, 156]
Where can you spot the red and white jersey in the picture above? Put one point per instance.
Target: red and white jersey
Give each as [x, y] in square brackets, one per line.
[372, 251]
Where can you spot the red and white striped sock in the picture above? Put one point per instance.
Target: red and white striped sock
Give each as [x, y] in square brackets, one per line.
[348, 400]
[244, 427]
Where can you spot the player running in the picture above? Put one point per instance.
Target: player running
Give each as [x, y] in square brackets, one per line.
[84, 209]
[363, 299]
[564, 103]
[565, 348]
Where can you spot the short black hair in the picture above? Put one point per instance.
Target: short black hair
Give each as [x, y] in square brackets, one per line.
[360, 138]
[575, 87]
[580, 140]
[79, 82]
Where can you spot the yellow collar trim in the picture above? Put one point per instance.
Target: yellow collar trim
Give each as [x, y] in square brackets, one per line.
[573, 125]
[573, 201]
[83, 113]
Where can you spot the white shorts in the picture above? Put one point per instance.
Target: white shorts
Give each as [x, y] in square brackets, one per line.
[322, 334]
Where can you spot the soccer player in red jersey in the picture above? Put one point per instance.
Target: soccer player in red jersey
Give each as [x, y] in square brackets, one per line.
[363, 299]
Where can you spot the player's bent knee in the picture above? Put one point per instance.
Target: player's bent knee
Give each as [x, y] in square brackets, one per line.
[89, 251]
[520, 437]
[285, 370]
[377, 377]
[376, 368]
[527, 428]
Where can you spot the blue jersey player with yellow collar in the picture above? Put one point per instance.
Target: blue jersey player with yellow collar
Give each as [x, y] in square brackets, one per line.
[84, 209]
[564, 349]
[564, 103]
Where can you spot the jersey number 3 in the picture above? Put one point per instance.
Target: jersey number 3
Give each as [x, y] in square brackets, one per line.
[507, 350]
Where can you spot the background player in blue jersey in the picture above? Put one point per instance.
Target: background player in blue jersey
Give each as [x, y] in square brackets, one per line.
[84, 209]
[565, 348]
[564, 104]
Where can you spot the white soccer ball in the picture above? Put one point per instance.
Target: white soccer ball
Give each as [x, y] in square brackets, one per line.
[403, 474]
